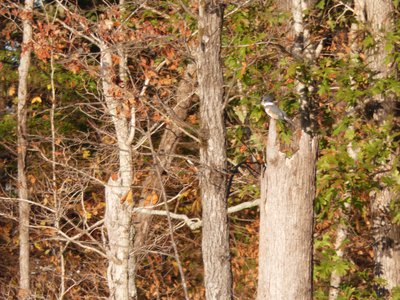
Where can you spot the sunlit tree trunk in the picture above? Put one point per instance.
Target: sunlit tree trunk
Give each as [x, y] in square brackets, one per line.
[286, 225]
[379, 16]
[22, 147]
[215, 232]
[118, 216]
[288, 192]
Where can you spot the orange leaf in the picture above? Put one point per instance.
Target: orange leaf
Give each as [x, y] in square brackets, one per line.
[32, 179]
[193, 119]
[156, 117]
[151, 199]
[154, 198]
[116, 59]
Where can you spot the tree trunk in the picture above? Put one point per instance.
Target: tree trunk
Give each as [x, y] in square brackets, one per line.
[342, 230]
[286, 5]
[286, 224]
[22, 146]
[215, 238]
[118, 216]
[379, 17]
[287, 195]
[341, 236]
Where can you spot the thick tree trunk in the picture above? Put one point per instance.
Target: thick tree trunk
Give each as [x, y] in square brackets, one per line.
[118, 216]
[386, 241]
[287, 195]
[379, 17]
[22, 146]
[286, 225]
[215, 238]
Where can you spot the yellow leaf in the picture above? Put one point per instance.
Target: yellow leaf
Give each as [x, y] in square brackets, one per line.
[36, 99]
[128, 197]
[85, 154]
[88, 215]
[37, 246]
[49, 87]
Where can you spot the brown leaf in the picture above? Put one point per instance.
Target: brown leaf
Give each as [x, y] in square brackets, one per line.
[156, 116]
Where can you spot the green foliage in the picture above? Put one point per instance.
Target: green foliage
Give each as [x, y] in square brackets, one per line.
[8, 125]
[395, 293]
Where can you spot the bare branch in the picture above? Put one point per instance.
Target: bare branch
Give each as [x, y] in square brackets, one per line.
[195, 223]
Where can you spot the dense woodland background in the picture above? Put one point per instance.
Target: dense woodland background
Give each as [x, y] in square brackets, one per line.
[101, 71]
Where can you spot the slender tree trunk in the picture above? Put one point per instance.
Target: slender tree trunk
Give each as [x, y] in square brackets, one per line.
[341, 236]
[215, 238]
[379, 16]
[22, 146]
[342, 229]
[118, 216]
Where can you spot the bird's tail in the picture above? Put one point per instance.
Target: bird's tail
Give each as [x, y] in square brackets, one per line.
[288, 120]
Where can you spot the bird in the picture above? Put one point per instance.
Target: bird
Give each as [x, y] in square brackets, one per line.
[274, 111]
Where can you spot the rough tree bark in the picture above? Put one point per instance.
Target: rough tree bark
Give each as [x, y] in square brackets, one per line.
[215, 238]
[379, 16]
[118, 216]
[24, 208]
[287, 195]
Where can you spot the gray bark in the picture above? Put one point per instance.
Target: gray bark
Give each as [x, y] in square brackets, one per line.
[215, 237]
[22, 147]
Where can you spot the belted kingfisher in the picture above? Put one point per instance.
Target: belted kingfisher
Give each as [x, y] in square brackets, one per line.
[274, 111]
